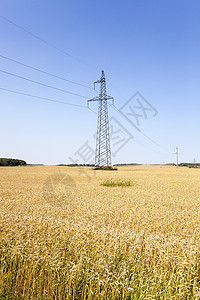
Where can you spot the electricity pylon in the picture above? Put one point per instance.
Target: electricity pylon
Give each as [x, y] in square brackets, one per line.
[103, 152]
[177, 157]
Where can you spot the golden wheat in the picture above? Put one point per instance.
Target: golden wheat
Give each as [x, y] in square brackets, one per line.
[65, 236]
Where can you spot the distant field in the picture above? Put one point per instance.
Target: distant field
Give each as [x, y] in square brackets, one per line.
[64, 235]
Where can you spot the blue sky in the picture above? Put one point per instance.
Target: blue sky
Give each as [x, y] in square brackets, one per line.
[147, 46]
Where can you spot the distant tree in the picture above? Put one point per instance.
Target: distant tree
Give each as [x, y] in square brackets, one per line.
[5, 162]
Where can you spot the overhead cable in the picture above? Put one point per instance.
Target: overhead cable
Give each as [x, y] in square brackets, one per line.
[44, 72]
[43, 84]
[42, 98]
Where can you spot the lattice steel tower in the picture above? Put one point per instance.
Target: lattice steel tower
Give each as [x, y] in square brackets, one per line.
[103, 152]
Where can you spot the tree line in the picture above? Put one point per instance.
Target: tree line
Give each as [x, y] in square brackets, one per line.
[11, 162]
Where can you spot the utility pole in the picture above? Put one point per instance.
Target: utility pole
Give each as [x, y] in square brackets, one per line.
[195, 164]
[177, 157]
[103, 152]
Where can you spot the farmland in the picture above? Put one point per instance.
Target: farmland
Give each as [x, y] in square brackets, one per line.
[67, 235]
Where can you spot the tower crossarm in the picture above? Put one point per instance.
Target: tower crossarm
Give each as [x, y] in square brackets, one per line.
[94, 99]
[98, 99]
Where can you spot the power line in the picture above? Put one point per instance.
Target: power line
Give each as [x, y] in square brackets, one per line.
[154, 142]
[47, 43]
[92, 110]
[42, 98]
[69, 55]
[44, 72]
[139, 143]
[43, 84]
[146, 136]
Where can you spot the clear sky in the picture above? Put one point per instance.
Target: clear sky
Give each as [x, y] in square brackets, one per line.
[149, 46]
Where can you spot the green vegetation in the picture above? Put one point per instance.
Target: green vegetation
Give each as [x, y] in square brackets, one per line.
[108, 168]
[128, 164]
[114, 184]
[11, 162]
[190, 165]
[8, 295]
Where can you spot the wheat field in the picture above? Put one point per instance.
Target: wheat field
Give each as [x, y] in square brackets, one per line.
[66, 235]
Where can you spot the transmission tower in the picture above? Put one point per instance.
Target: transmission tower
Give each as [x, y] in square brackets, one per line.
[103, 152]
[177, 157]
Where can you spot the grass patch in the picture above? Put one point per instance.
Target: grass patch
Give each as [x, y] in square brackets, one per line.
[109, 168]
[118, 183]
